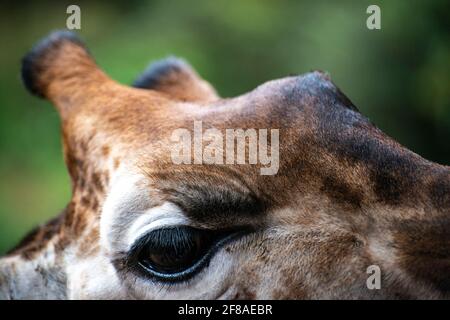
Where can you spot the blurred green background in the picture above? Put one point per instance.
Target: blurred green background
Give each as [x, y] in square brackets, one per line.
[398, 76]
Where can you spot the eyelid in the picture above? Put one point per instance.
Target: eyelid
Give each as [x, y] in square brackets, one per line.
[167, 214]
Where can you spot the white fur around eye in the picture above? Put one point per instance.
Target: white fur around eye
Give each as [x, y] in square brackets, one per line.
[125, 202]
[128, 213]
[165, 215]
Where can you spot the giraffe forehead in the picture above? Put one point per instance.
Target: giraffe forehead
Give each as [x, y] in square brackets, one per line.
[137, 115]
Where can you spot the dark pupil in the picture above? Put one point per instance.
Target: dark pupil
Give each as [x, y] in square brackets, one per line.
[172, 250]
[173, 258]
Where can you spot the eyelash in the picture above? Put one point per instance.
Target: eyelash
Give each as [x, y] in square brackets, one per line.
[217, 239]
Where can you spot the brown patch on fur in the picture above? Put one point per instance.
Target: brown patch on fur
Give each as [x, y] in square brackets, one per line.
[394, 172]
[94, 204]
[79, 224]
[105, 151]
[75, 166]
[97, 182]
[342, 192]
[116, 163]
[439, 192]
[424, 250]
[85, 201]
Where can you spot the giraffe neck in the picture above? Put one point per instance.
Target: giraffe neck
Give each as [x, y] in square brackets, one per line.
[41, 260]
[43, 277]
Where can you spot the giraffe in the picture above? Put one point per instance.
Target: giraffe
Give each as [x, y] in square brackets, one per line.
[346, 196]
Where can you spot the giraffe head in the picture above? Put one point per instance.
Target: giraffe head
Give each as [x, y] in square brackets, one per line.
[342, 196]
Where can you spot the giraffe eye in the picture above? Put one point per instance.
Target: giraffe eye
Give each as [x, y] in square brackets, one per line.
[177, 253]
[171, 251]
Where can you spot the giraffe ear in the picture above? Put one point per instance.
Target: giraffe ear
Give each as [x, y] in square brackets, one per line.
[176, 78]
[60, 68]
